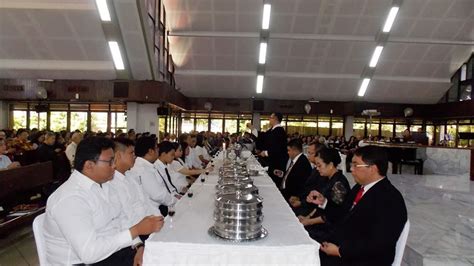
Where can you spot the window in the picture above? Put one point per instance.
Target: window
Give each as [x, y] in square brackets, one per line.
[119, 121]
[187, 125]
[58, 121]
[202, 124]
[216, 126]
[79, 121]
[19, 119]
[231, 126]
[99, 121]
[337, 126]
[323, 126]
[264, 124]
[387, 130]
[38, 120]
[295, 127]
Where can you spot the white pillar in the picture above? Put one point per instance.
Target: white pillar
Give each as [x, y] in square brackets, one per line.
[3, 115]
[256, 121]
[349, 127]
[132, 111]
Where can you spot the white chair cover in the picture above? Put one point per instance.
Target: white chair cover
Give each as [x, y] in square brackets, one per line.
[39, 238]
[401, 243]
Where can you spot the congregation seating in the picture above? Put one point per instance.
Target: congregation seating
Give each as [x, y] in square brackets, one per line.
[23, 194]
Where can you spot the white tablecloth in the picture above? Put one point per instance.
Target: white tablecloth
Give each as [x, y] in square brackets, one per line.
[184, 239]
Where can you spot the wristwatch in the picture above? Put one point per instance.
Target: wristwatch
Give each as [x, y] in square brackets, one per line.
[137, 246]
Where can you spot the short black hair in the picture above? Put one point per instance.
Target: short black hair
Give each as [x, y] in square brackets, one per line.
[175, 145]
[123, 143]
[143, 145]
[165, 147]
[296, 144]
[373, 155]
[183, 145]
[329, 155]
[90, 149]
[279, 116]
[200, 140]
[317, 146]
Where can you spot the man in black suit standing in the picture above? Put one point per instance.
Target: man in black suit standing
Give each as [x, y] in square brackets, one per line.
[274, 143]
[298, 169]
[376, 215]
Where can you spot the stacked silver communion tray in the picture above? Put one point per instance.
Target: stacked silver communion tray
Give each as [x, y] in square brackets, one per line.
[238, 217]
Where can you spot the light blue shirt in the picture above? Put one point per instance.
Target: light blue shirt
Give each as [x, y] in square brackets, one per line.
[4, 161]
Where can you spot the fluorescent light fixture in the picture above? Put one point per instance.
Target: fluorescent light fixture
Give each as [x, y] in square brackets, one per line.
[116, 55]
[376, 56]
[266, 16]
[259, 83]
[263, 53]
[363, 87]
[103, 10]
[390, 19]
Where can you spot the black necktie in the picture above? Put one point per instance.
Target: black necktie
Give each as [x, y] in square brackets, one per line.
[169, 179]
[164, 181]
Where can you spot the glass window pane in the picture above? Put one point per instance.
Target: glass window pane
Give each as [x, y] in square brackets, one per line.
[187, 125]
[216, 125]
[98, 122]
[451, 129]
[243, 124]
[201, 125]
[358, 129]
[58, 121]
[79, 121]
[337, 129]
[309, 128]
[231, 126]
[294, 127]
[19, 119]
[399, 130]
[38, 120]
[387, 130]
[264, 124]
[119, 121]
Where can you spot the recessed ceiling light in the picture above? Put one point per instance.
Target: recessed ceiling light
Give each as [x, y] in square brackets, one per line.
[259, 83]
[363, 87]
[116, 55]
[266, 16]
[390, 19]
[103, 10]
[376, 56]
[263, 53]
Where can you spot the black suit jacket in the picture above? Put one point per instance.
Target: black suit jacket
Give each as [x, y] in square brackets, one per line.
[369, 232]
[275, 144]
[297, 177]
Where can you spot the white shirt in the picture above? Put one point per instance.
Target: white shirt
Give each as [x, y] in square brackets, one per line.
[4, 161]
[147, 176]
[82, 222]
[192, 159]
[161, 169]
[71, 152]
[135, 204]
[179, 180]
[370, 185]
[201, 151]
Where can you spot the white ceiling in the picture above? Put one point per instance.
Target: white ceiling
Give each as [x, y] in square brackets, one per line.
[319, 48]
[53, 39]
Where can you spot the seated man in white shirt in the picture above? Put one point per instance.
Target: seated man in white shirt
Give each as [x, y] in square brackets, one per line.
[72, 147]
[135, 204]
[82, 224]
[145, 173]
[166, 152]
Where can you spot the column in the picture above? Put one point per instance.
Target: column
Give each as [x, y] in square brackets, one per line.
[349, 127]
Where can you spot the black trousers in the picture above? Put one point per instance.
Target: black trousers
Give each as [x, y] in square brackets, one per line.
[123, 257]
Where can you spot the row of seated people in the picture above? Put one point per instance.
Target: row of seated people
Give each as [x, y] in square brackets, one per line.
[358, 226]
[116, 196]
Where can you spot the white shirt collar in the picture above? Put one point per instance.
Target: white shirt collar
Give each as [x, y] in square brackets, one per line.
[277, 125]
[143, 162]
[296, 158]
[119, 176]
[370, 185]
[160, 164]
[82, 180]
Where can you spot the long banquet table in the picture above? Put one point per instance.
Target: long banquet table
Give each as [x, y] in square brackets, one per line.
[184, 239]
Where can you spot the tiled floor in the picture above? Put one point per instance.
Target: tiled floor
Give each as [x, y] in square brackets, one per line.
[440, 209]
[18, 248]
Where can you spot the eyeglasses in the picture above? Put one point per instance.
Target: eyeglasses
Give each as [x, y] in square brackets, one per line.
[355, 165]
[110, 162]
